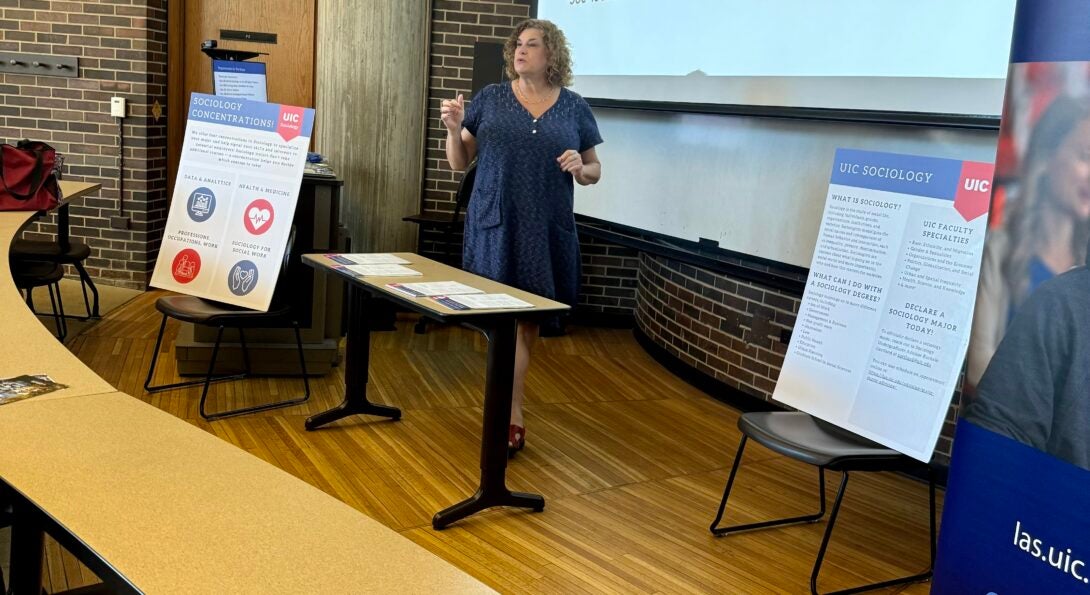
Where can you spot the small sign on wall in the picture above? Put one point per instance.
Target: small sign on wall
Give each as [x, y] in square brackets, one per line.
[245, 80]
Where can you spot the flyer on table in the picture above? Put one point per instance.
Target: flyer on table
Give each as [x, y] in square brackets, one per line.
[234, 199]
[884, 322]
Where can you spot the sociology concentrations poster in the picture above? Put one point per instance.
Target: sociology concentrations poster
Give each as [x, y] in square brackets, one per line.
[234, 200]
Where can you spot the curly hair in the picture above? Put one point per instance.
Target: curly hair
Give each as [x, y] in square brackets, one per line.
[558, 69]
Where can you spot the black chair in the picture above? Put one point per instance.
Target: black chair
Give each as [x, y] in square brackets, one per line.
[30, 274]
[281, 314]
[804, 438]
[462, 196]
[73, 254]
[448, 225]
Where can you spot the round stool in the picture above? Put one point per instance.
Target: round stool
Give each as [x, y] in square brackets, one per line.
[29, 274]
[75, 254]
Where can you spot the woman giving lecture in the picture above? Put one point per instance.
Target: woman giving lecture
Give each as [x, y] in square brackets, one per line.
[532, 138]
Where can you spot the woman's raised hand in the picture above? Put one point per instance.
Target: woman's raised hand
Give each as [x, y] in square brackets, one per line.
[451, 112]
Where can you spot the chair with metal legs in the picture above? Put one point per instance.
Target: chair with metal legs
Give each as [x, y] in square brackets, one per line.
[281, 314]
[804, 438]
[449, 227]
[73, 254]
[30, 274]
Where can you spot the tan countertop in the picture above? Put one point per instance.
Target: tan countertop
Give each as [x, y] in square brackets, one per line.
[26, 345]
[177, 510]
[172, 508]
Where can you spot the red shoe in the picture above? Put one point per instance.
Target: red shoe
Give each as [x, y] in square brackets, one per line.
[516, 439]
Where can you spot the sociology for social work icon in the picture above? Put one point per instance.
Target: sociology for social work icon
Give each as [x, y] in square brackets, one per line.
[243, 278]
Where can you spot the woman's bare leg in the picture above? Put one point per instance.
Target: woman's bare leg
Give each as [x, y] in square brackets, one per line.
[527, 334]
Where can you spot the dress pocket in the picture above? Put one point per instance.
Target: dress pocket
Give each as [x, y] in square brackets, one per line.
[486, 208]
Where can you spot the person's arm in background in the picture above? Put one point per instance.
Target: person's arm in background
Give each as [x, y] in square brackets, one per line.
[461, 146]
[990, 316]
[584, 167]
[1017, 394]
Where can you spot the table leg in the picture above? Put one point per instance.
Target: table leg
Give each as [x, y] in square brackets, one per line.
[357, 355]
[62, 229]
[27, 551]
[497, 416]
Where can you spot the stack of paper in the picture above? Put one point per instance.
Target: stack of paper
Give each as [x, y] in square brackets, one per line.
[367, 259]
[382, 270]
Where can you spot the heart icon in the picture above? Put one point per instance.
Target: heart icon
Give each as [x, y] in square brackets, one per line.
[259, 217]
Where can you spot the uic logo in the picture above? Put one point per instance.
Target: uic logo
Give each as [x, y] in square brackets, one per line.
[977, 185]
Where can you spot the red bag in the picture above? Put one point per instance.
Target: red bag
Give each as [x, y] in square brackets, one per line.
[28, 181]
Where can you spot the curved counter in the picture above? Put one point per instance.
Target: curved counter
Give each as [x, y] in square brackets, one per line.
[153, 504]
[27, 346]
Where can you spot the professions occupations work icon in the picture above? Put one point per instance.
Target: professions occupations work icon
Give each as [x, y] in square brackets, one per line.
[186, 266]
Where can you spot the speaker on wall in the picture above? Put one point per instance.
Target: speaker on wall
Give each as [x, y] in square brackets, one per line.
[487, 65]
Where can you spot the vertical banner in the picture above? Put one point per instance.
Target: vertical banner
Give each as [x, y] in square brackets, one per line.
[1017, 511]
[884, 321]
[1024, 529]
[234, 200]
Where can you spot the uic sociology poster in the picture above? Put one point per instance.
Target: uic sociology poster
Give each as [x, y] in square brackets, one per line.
[884, 321]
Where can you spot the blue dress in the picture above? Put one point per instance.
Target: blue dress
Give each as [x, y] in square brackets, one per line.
[520, 226]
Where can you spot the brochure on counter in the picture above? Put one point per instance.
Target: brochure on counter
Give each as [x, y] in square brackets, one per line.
[382, 270]
[482, 301]
[436, 288]
[23, 387]
[367, 259]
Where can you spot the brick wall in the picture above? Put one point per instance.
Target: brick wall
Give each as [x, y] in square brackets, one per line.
[728, 329]
[455, 26]
[610, 277]
[121, 46]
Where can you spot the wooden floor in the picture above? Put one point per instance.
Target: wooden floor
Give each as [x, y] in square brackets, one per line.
[631, 461]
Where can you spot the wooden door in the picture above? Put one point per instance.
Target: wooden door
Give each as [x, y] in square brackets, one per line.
[290, 60]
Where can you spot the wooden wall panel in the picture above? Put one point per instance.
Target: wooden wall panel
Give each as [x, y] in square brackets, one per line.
[371, 85]
[290, 60]
[176, 93]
